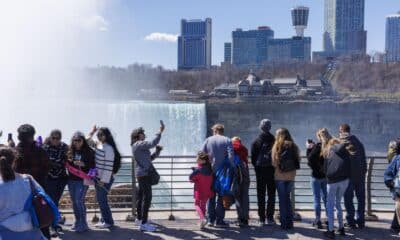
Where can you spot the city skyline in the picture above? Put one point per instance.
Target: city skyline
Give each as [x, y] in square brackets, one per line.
[137, 32]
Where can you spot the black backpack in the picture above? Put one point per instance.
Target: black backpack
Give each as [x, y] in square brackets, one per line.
[264, 158]
[288, 161]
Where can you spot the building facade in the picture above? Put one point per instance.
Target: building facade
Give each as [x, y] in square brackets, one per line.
[228, 52]
[250, 48]
[393, 38]
[344, 27]
[194, 44]
[289, 49]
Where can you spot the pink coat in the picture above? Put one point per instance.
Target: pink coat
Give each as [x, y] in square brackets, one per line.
[202, 178]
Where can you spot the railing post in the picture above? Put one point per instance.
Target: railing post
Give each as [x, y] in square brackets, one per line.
[132, 216]
[369, 216]
[171, 216]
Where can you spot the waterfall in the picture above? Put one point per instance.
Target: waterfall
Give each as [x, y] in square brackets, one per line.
[185, 122]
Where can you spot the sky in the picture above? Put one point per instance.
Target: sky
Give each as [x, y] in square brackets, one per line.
[136, 31]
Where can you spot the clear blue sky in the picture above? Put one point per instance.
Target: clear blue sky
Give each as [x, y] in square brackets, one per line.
[130, 21]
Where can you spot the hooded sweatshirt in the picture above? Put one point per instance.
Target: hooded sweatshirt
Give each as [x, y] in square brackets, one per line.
[337, 164]
[264, 138]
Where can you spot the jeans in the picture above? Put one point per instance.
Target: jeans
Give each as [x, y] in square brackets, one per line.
[335, 195]
[216, 210]
[395, 223]
[144, 197]
[55, 188]
[242, 202]
[318, 186]
[359, 189]
[78, 193]
[265, 182]
[101, 195]
[284, 189]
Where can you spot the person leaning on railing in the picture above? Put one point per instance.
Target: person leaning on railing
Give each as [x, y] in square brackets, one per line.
[143, 158]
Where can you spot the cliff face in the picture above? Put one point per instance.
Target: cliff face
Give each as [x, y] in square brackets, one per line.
[375, 123]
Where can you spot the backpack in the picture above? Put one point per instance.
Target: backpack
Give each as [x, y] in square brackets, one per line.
[288, 161]
[264, 158]
[336, 164]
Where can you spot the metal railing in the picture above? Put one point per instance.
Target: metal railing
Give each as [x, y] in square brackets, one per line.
[175, 192]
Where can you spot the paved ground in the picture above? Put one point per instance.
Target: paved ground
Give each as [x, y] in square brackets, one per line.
[186, 227]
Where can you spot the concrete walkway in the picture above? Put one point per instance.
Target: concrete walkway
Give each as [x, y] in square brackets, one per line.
[186, 227]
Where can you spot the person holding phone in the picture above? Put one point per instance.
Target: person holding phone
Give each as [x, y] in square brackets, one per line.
[80, 156]
[143, 157]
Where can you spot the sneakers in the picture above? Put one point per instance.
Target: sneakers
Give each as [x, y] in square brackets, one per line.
[210, 224]
[53, 232]
[317, 224]
[222, 225]
[202, 224]
[341, 232]
[329, 234]
[103, 225]
[271, 222]
[147, 227]
[350, 225]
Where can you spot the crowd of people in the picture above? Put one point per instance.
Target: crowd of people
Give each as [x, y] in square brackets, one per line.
[221, 178]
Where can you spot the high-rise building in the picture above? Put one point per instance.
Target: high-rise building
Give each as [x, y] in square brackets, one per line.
[249, 48]
[344, 32]
[393, 38]
[300, 19]
[228, 52]
[289, 49]
[194, 44]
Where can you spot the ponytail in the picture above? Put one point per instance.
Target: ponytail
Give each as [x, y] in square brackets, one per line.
[7, 157]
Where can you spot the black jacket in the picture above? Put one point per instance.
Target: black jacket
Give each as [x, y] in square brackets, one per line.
[357, 158]
[316, 161]
[266, 138]
[337, 164]
[87, 156]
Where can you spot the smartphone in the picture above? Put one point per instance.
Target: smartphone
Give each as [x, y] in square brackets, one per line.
[162, 122]
[309, 141]
[9, 137]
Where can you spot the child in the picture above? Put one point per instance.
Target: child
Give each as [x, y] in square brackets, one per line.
[241, 183]
[202, 179]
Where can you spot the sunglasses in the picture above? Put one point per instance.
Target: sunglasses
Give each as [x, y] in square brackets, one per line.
[77, 140]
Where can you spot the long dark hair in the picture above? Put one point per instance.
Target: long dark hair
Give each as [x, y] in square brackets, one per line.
[85, 146]
[7, 156]
[111, 142]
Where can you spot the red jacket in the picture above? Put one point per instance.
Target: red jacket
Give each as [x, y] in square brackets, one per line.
[202, 178]
[241, 151]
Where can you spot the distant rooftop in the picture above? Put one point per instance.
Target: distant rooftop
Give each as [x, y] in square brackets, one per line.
[285, 81]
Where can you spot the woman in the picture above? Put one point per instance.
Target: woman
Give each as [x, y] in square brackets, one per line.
[286, 160]
[337, 169]
[57, 177]
[108, 162]
[80, 157]
[15, 191]
[143, 158]
[318, 179]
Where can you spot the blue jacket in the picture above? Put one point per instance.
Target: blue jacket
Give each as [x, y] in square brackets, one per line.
[391, 172]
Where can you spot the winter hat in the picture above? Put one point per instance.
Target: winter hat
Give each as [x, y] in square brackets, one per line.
[265, 125]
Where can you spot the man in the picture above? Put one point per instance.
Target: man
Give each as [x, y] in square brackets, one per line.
[357, 178]
[218, 148]
[31, 159]
[262, 161]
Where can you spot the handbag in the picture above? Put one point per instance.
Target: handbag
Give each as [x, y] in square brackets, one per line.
[153, 174]
[42, 213]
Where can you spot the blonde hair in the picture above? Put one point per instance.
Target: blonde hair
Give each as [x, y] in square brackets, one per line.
[324, 137]
[281, 135]
[330, 143]
[236, 138]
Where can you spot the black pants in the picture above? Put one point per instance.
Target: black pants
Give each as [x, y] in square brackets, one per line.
[144, 197]
[395, 223]
[265, 182]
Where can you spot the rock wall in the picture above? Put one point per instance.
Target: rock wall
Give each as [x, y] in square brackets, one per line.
[375, 123]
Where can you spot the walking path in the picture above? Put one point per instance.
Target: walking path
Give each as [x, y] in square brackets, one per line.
[186, 227]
